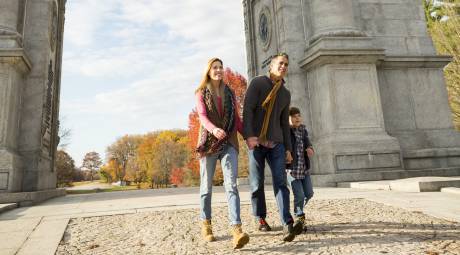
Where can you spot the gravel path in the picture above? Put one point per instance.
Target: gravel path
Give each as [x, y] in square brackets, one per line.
[351, 226]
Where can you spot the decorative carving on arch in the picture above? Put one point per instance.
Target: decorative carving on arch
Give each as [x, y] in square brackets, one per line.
[264, 31]
[54, 27]
[47, 118]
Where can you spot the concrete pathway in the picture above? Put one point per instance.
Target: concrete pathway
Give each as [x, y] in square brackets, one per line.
[39, 229]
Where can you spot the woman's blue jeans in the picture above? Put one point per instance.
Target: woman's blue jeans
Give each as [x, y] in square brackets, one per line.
[229, 161]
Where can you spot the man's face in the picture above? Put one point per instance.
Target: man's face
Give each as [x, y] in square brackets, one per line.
[279, 66]
[296, 120]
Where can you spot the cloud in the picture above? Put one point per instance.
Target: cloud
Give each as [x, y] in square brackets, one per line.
[153, 52]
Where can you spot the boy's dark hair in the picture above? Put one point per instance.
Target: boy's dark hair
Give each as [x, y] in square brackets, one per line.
[293, 111]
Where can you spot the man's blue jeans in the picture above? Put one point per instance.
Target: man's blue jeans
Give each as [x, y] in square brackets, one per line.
[276, 158]
[303, 192]
[229, 162]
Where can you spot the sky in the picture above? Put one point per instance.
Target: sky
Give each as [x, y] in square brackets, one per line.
[131, 67]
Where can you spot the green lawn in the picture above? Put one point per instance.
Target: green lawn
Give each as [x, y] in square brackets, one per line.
[111, 189]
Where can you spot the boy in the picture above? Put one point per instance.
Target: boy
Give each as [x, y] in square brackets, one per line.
[298, 174]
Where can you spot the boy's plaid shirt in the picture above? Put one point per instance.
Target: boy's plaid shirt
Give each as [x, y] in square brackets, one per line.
[298, 170]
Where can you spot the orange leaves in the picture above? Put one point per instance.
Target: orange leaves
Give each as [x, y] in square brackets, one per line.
[177, 176]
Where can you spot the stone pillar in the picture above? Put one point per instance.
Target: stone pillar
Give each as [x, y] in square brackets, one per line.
[333, 18]
[14, 65]
[38, 140]
[30, 64]
[346, 109]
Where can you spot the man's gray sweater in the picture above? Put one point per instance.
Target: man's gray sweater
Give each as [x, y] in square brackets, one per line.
[253, 113]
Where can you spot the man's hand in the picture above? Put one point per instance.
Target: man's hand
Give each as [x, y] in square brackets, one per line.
[252, 142]
[219, 133]
[288, 157]
[310, 151]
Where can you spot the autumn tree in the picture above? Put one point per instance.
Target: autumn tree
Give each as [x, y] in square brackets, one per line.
[443, 21]
[145, 157]
[177, 176]
[120, 153]
[92, 162]
[64, 134]
[65, 168]
[169, 154]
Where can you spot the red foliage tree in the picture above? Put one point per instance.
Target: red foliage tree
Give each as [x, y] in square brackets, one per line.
[193, 130]
[238, 84]
[177, 176]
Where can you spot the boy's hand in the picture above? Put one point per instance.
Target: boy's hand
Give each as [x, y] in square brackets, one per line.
[288, 157]
[310, 151]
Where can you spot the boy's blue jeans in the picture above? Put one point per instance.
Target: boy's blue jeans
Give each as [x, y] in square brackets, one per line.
[276, 158]
[229, 162]
[303, 192]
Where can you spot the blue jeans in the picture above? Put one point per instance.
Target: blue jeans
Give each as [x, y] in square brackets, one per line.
[303, 192]
[229, 162]
[276, 159]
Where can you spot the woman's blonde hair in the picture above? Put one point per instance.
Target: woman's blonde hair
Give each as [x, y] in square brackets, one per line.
[205, 79]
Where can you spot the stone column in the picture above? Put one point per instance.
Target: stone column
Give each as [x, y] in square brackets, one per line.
[11, 23]
[346, 109]
[14, 64]
[333, 18]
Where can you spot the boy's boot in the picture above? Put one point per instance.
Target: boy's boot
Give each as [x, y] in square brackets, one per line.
[239, 237]
[291, 230]
[206, 231]
[300, 220]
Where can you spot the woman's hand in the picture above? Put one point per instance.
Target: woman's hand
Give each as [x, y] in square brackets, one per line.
[219, 133]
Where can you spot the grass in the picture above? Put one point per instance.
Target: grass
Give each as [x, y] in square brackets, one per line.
[111, 189]
[74, 184]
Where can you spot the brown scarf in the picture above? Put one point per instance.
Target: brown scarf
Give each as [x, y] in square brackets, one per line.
[268, 104]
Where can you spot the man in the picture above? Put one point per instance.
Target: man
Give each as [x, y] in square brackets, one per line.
[267, 134]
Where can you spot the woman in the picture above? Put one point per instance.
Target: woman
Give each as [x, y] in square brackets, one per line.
[220, 121]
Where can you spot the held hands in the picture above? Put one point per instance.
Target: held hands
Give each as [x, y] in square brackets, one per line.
[288, 157]
[310, 151]
[252, 142]
[219, 133]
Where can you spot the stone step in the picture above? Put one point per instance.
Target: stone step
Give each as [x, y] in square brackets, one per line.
[451, 190]
[333, 180]
[7, 207]
[30, 198]
[417, 184]
[425, 184]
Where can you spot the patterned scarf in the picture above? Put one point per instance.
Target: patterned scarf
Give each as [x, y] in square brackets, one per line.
[207, 143]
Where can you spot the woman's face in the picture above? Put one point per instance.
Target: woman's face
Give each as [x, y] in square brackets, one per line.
[217, 71]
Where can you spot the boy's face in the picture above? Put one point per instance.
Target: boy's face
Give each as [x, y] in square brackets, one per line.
[295, 120]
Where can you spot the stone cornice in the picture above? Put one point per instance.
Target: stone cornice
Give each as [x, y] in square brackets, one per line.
[415, 61]
[16, 56]
[341, 50]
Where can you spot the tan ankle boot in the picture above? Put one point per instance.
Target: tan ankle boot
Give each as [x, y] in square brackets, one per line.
[206, 231]
[239, 237]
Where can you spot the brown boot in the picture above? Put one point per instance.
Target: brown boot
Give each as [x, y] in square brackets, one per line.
[206, 231]
[239, 237]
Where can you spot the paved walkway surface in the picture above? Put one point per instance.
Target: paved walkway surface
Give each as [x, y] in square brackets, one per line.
[340, 221]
